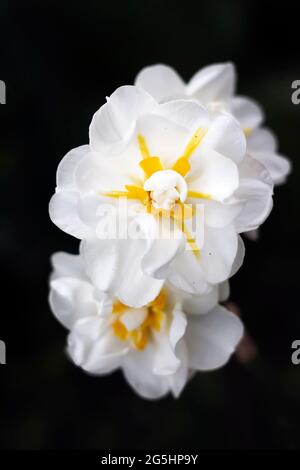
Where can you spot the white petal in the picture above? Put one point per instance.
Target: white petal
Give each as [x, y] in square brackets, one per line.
[178, 380]
[67, 265]
[201, 304]
[262, 139]
[214, 175]
[133, 318]
[138, 371]
[99, 173]
[92, 328]
[218, 253]
[213, 83]
[186, 273]
[250, 168]
[165, 361]
[212, 338]
[188, 114]
[255, 192]
[163, 250]
[165, 139]
[278, 166]
[224, 290]
[96, 355]
[248, 113]
[191, 274]
[90, 207]
[238, 261]
[133, 287]
[100, 260]
[221, 214]
[262, 145]
[178, 326]
[161, 81]
[115, 265]
[63, 210]
[257, 206]
[162, 180]
[71, 299]
[114, 123]
[225, 136]
[67, 166]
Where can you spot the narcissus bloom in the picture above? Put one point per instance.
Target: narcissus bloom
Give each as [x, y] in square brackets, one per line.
[214, 86]
[173, 166]
[157, 346]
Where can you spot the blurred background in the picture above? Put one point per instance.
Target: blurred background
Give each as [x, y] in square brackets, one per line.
[59, 60]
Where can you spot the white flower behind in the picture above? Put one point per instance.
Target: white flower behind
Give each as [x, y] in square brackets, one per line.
[214, 86]
[170, 164]
[157, 345]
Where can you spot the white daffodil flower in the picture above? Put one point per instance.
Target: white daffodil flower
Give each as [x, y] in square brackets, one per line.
[158, 346]
[172, 167]
[214, 86]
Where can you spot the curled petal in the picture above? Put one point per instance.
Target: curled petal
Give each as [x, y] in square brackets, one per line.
[213, 83]
[63, 211]
[114, 123]
[161, 82]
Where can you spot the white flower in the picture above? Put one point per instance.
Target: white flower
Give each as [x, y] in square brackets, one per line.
[214, 86]
[157, 346]
[172, 163]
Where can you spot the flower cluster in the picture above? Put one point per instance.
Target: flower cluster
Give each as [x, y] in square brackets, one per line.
[171, 177]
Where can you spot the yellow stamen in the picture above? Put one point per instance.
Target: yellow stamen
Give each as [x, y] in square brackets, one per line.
[118, 307]
[182, 166]
[140, 338]
[133, 192]
[183, 211]
[160, 301]
[191, 241]
[150, 165]
[141, 335]
[120, 330]
[155, 319]
[196, 194]
[193, 143]
[117, 194]
[247, 131]
[137, 192]
[143, 146]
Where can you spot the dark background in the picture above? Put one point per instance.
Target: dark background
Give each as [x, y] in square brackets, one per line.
[59, 60]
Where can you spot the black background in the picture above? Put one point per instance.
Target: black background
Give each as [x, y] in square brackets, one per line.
[59, 60]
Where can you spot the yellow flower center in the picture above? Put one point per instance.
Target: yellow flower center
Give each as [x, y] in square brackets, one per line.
[166, 202]
[139, 337]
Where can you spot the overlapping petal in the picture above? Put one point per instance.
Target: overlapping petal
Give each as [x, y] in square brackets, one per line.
[161, 81]
[213, 83]
[192, 333]
[114, 123]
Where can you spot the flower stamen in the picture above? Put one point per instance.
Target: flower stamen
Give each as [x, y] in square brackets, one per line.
[139, 337]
